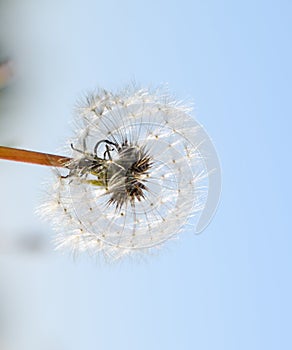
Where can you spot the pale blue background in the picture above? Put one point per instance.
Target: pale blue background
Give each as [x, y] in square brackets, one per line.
[228, 288]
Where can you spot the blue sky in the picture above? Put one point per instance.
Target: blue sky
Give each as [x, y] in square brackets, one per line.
[228, 288]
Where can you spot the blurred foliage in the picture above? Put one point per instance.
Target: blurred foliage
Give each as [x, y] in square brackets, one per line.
[6, 66]
[6, 90]
[6, 72]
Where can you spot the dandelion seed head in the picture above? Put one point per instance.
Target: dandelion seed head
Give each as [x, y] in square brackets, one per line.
[136, 177]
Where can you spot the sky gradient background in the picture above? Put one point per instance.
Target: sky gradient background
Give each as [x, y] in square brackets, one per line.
[228, 288]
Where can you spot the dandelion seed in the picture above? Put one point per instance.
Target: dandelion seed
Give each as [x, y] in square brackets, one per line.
[140, 168]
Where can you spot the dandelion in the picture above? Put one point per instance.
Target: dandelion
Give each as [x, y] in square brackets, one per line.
[141, 169]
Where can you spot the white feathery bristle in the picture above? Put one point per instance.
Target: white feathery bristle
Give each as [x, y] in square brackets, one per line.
[137, 175]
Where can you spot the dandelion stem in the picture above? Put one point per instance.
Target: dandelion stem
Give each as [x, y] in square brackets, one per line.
[20, 155]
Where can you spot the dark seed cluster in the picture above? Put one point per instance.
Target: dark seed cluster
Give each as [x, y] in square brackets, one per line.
[127, 182]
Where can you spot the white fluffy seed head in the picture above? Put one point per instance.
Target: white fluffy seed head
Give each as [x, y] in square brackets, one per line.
[137, 175]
